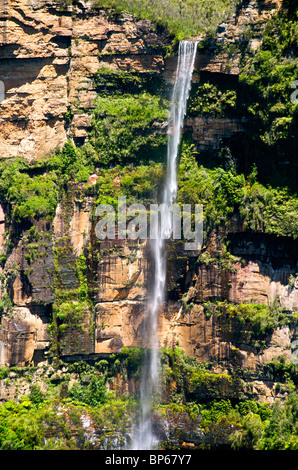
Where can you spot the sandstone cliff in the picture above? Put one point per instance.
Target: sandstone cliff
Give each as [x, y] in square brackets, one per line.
[49, 55]
[49, 58]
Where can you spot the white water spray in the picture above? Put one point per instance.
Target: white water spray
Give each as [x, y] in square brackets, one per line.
[144, 438]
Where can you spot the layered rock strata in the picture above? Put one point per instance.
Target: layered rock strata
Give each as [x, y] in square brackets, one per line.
[49, 54]
[48, 60]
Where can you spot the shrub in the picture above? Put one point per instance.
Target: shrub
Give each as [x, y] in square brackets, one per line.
[248, 323]
[71, 314]
[19, 427]
[29, 197]
[36, 395]
[280, 432]
[122, 128]
[209, 385]
[224, 192]
[265, 81]
[210, 100]
[94, 394]
[181, 18]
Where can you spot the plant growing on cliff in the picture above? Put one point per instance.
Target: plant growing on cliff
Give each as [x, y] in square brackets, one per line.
[129, 112]
[277, 432]
[71, 164]
[224, 192]
[265, 82]
[81, 271]
[248, 323]
[94, 394]
[194, 380]
[28, 197]
[210, 100]
[181, 18]
[122, 128]
[280, 432]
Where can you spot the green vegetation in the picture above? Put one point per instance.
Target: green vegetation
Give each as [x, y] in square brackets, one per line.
[278, 431]
[191, 380]
[227, 418]
[70, 164]
[126, 148]
[94, 394]
[70, 315]
[129, 111]
[72, 319]
[57, 411]
[269, 75]
[117, 82]
[32, 191]
[262, 100]
[139, 184]
[281, 371]
[122, 129]
[264, 97]
[53, 419]
[181, 18]
[81, 271]
[224, 192]
[250, 324]
[126, 130]
[19, 428]
[209, 99]
[29, 197]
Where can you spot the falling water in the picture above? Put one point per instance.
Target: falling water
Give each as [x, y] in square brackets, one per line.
[144, 438]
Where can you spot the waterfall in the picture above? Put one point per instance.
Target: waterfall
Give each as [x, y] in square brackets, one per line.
[144, 438]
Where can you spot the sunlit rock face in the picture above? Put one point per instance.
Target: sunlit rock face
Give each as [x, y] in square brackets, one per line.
[50, 54]
[50, 57]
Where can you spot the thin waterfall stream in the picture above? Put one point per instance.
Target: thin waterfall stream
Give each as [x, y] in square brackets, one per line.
[144, 438]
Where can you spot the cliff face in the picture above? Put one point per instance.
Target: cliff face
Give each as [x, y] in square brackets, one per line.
[49, 55]
[49, 58]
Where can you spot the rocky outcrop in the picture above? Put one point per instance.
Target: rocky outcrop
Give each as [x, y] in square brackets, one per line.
[264, 270]
[247, 23]
[208, 132]
[202, 338]
[49, 59]
[119, 275]
[23, 336]
[220, 61]
[42, 266]
[49, 53]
